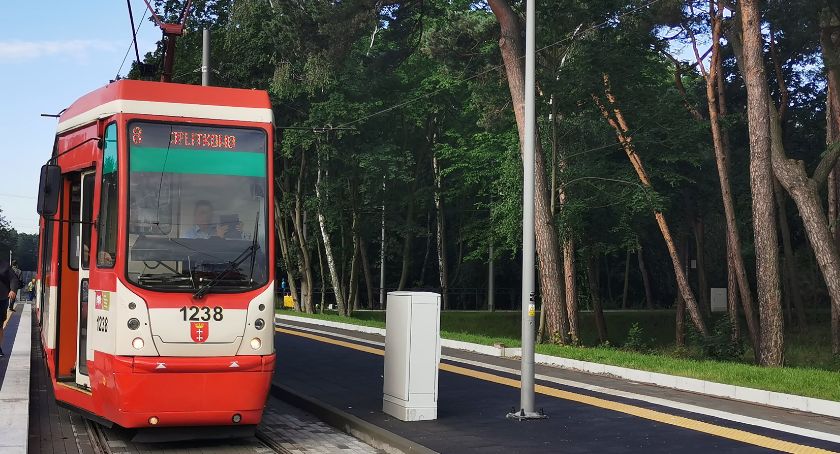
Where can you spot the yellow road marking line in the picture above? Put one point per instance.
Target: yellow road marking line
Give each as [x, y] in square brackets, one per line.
[653, 415]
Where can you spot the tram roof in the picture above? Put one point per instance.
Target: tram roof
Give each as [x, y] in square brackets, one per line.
[168, 99]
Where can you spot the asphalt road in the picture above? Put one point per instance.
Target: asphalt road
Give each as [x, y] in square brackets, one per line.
[473, 402]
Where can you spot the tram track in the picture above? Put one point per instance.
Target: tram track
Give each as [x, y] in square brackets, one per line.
[261, 443]
[270, 442]
[284, 430]
[98, 440]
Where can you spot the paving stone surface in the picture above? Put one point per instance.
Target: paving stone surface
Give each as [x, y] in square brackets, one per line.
[301, 432]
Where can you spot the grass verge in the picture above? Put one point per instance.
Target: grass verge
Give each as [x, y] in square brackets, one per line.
[478, 328]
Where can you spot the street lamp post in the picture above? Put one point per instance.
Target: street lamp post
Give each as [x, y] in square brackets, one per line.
[526, 409]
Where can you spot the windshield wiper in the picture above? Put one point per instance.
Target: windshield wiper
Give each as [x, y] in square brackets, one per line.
[244, 255]
[165, 279]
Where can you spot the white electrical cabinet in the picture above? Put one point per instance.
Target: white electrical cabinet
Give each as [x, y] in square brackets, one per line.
[718, 300]
[412, 355]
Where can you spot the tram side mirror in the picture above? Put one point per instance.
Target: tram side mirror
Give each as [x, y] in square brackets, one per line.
[48, 190]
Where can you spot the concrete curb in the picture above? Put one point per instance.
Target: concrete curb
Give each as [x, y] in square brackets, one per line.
[752, 395]
[14, 395]
[369, 433]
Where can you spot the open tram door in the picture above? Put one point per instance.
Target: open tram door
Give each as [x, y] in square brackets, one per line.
[82, 239]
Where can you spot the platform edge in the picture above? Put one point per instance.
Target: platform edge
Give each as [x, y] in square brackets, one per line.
[14, 394]
[367, 432]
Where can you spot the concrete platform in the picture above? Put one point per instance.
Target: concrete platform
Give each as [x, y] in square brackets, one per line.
[9, 339]
[14, 381]
[587, 413]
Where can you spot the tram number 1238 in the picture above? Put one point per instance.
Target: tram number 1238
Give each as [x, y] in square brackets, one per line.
[202, 314]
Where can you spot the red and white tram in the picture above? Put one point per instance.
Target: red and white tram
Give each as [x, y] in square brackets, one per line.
[156, 264]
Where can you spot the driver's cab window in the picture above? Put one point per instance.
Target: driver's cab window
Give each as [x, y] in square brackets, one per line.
[108, 202]
[196, 206]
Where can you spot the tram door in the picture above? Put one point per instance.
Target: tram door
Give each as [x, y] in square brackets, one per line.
[83, 238]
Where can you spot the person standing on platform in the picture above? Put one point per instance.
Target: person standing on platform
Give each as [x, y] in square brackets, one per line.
[30, 290]
[16, 270]
[9, 285]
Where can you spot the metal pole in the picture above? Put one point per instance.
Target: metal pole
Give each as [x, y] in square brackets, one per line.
[528, 240]
[382, 255]
[205, 57]
[491, 297]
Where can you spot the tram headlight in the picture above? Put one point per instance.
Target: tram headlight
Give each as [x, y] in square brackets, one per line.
[256, 343]
[259, 323]
[133, 323]
[138, 343]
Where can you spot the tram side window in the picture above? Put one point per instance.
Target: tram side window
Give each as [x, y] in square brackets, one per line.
[87, 215]
[73, 241]
[107, 244]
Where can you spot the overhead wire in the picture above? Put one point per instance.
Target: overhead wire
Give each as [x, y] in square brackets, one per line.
[133, 41]
[496, 67]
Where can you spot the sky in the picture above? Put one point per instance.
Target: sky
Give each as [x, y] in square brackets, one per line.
[51, 53]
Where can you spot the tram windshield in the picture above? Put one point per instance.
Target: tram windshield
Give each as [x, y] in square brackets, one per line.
[197, 207]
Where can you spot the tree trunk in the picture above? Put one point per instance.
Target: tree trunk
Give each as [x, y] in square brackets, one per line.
[304, 264]
[830, 43]
[323, 274]
[511, 44]
[366, 271]
[353, 286]
[732, 295]
[428, 247]
[571, 288]
[626, 279]
[408, 237]
[328, 252]
[715, 94]
[280, 226]
[554, 146]
[441, 233]
[805, 193]
[570, 284]
[771, 350]
[595, 296]
[382, 298]
[791, 279]
[645, 278]
[702, 285]
[620, 126]
[680, 312]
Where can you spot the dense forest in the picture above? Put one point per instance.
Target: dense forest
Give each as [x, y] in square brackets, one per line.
[682, 145]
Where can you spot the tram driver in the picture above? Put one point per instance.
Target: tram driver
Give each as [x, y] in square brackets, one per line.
[203, 226]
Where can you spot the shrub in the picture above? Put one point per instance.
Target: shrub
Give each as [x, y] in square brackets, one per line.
[720, 345]
[635, 339]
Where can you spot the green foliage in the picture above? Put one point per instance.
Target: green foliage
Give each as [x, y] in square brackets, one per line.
[413, 80]
[719, 346]
[636, 340]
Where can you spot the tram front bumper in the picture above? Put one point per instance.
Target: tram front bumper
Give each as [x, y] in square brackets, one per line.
[191, 391]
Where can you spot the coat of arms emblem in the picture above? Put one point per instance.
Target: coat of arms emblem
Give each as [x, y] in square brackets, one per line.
[199, 331]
